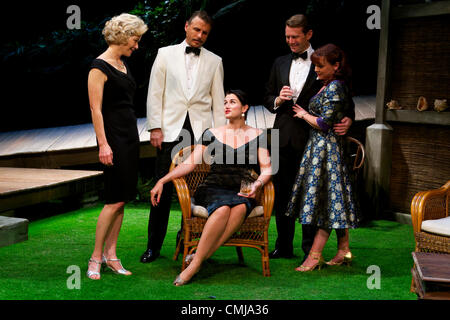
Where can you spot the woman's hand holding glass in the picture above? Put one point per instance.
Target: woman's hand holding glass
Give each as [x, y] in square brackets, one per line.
[250, 189]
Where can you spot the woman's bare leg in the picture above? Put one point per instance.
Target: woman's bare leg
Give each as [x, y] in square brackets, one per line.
[212, 232]
[237, 216]
[111, 240]
[320, 240]
[104, 226]
[343, 247]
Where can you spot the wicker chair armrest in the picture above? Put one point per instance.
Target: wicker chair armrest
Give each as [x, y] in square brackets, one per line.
[183, 196]
[268, 201]
[430, 205]
[360, 153]
[415, 213]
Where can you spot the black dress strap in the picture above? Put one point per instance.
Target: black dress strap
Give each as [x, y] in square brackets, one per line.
[101, 65]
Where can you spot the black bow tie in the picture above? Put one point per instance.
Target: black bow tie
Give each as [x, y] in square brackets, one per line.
[194, 50]
[303, 55]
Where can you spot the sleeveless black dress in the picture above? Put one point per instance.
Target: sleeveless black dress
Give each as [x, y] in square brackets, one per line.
[121, 133]
[228, 167]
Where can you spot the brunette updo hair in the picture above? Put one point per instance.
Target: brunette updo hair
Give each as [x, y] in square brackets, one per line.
[242, 97]
[333, 54]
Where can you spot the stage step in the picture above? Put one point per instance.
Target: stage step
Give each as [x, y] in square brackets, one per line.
[12, 230]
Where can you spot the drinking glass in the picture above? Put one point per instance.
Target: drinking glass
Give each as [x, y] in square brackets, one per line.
[246, 187]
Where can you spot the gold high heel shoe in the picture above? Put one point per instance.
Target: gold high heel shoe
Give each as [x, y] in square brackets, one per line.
[316, 256]
[346, 257]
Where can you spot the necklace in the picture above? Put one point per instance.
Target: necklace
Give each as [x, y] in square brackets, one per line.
[238, 130]
[118, 65]
[235, 137]
[121, 66]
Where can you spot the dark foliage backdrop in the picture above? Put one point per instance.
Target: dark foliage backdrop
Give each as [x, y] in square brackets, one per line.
[45, 65]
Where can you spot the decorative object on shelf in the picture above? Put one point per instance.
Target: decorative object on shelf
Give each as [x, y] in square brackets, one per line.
[393, 105]
[440, 105]
[422, 104]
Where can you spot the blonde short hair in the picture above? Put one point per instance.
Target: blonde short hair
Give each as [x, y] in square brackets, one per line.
[122, 27]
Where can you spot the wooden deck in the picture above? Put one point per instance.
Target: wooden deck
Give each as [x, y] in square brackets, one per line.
[21, 187]
[55, 139]
[58, 147]
[74, 145]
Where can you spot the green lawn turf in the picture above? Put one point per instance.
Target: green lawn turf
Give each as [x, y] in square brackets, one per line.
[37, 268]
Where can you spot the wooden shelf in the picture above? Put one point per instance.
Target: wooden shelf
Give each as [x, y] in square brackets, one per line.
[422, 117]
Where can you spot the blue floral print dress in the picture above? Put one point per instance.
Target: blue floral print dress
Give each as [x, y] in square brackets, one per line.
[322, 194]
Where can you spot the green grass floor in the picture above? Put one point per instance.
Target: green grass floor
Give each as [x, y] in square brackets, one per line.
[37, 268]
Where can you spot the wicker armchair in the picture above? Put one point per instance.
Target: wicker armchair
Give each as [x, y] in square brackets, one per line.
[430, 205]
[253, 232]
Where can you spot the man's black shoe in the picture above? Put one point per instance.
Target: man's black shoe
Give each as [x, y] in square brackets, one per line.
[149, 256]
[277, 253]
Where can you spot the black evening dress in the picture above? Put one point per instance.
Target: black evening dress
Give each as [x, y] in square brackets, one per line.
[121, 132]
[229, 166]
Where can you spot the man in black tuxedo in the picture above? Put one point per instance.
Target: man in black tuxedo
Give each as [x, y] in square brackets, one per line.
[293, 80]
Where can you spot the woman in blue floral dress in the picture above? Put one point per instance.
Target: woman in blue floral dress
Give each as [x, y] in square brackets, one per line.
[322, 194]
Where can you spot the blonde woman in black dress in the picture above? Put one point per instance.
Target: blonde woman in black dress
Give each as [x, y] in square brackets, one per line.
[111, 89]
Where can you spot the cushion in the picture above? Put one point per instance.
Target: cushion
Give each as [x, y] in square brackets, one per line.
[201, 212]
[438, 226]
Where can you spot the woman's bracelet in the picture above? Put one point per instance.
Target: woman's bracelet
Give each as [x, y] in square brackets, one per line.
[262, 184]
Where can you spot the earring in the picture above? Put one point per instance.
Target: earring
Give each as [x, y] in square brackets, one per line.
[243, 115]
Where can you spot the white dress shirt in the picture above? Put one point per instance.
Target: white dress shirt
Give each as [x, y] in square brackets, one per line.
[298, 74]
[191, 63]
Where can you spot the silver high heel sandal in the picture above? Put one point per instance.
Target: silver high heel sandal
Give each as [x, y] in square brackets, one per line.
[189, 259]
[91, 273]
[180, 282]
[121, 271]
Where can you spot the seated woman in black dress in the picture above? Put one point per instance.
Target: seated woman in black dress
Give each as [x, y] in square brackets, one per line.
[111, 89]
[235, 151]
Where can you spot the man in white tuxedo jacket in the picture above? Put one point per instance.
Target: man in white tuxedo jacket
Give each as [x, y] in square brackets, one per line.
[185, 92]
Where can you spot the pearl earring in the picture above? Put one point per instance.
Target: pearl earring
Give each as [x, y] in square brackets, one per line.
[243, 115]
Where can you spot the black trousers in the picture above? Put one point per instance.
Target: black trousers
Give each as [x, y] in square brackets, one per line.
[159, 215]
[290, 159]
